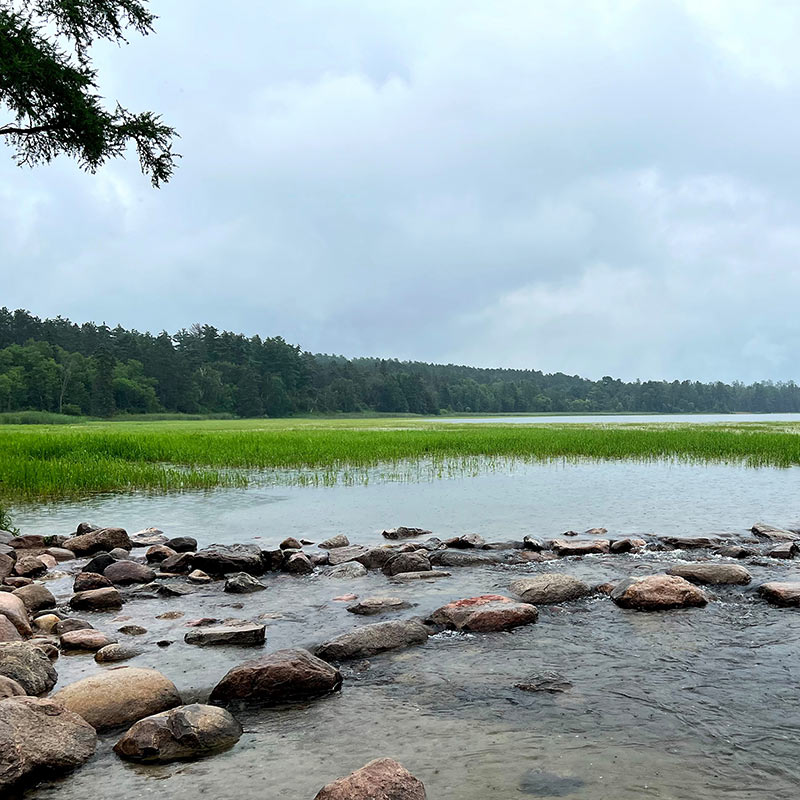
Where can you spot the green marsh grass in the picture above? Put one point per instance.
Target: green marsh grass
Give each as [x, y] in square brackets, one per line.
[63, 461]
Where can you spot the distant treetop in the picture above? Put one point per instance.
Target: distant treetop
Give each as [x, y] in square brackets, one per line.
[49, 87]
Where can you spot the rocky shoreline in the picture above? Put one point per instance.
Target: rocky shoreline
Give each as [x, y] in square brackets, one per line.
[111, 570]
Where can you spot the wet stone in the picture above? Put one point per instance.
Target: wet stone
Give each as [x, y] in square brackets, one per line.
[249, 635]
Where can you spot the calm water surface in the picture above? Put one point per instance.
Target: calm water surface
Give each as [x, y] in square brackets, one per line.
[701, 703]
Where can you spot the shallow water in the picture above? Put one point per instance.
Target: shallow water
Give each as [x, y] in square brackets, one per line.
[698, 703]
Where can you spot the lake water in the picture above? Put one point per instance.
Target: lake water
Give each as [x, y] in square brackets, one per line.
[698, 703]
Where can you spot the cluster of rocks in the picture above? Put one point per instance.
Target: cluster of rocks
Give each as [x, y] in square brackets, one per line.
[41, 735]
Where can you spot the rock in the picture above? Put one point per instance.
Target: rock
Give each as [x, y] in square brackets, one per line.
[657, 592]
[596, 532]
[382, 779]
[510, 545]
[712, 573]
[86, 527]
[222, 559]
[39, 738]
[71, 624]
[119, 696]
[175, 589]
[14, 610]
[488, 612]
[14, 582]
[104, 539]
[570, 533]
[369, 640]
[466, 558]
[735, 551]
[273, 559]
[407, 562]
[28, 665]
[114, 652]
[29, 567]
[149, 537]
[179, 563]
[247, 635]
[85, 640]
[292, 674]
[120, 554]
[183, 544]
[48, 644]
[60, 553]
[340, 540]
[6, 566]
[404, 533]
[242, 583]
[405, 577]
[10, 688]
[626, 545]
[132, 630]
[8, 633]
[299, 564]
[782, 550]
[317, 559]
[30, 542]
[466, 542]
[35, 597]
[198, 576]
[46, 623]
[341, 555]
[781, 593]
[531, 543]
[352, 569]
[553, 587]
[185, 732]
[85, 581]
[596, 546]
[548, 682]
[290, 544]
[376, 557]
[125, 573]
[97, 565]
[158, 552]
[47, 560]
[690, 542]
[96, 600]
[774, 534]
[6, 537]
[378, 605]
[170, 615]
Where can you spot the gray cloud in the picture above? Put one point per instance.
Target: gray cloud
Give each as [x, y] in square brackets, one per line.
[597, 187]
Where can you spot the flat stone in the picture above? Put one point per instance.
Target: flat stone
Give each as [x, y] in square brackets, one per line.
[486, 613]
[148, 538]
[291, 674]
[242, 635]
[782, 550]
[433, 574]
[341, 555]
[580, 548]
[772, 534]
[175, 589]
[71, 624]
[186, 732]
[378, 605]
[552, 587]
[712, 573]
[466, 558]
[781, 593]
[369, 640]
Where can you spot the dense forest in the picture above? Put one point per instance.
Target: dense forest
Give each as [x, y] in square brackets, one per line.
[56, 365]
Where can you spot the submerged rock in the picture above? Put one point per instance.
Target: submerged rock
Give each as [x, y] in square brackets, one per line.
[657, 593]
[382, 779]
[466, 558]
[247, 635]
[291, 674]
[712, 573]
[781, 593]
[119, 696]
[488, 612]
[369, 640]
[190, 731]
[553, 587]
[548, 682]
[28, 665]
[378, 605]
[39, 738]
[242, 583]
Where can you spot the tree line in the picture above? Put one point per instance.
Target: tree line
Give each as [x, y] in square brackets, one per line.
[59, 366]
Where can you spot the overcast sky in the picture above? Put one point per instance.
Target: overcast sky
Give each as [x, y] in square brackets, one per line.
[588, 187]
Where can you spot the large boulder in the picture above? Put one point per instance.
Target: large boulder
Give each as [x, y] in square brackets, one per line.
[35, 596]
[125, 573]
[221, 559]
[185, 732]
[781, 593]
[382, 779]
[553, 587]
[250, 634]
[772, 534]
[28, 665]
[657, 593]
[283, 675]
[407, 562]
[119, 696]
[369, 640]
[104, 539]
[488, 612]
[96, 600]
[378, 605]
[712, 573]
[14, 610]
[40, 738]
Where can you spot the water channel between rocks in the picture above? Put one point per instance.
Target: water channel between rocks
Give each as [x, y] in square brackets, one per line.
[699, 703]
